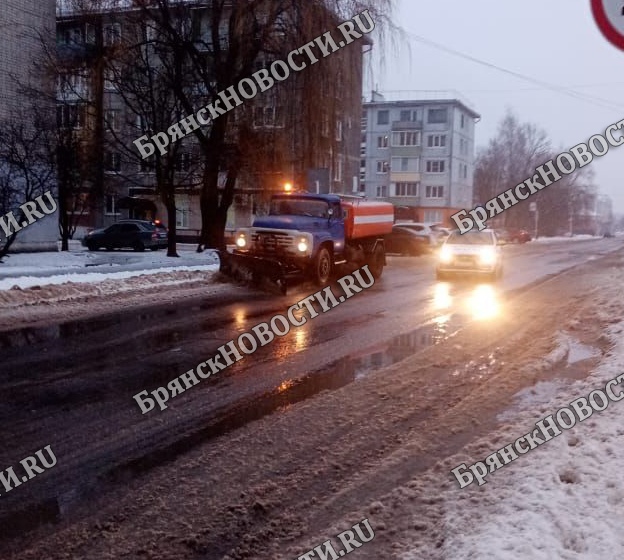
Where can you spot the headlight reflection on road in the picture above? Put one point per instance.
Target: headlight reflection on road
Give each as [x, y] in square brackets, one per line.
[240, 318]
[301, 338]
[442, 296]
[483, 303]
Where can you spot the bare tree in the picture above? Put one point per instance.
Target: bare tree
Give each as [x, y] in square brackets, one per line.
[221, 42]
[27, 171]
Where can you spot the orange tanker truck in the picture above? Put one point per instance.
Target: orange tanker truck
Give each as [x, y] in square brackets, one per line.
[307, 235]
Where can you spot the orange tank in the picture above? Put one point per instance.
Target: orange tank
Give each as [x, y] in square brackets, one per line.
[367, 218]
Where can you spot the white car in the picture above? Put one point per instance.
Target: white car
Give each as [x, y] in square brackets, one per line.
[473, 252]
[434, 237]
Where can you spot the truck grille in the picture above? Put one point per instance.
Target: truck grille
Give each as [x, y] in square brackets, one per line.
[271, 241]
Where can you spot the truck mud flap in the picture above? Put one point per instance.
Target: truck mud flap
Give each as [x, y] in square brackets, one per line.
[248, 267]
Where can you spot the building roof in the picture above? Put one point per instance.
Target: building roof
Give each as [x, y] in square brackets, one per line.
[423, 97]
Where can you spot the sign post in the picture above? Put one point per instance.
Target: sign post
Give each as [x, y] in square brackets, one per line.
[533, 208]
[609, 16]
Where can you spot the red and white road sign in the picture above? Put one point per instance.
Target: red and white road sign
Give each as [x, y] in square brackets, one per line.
[609, 15]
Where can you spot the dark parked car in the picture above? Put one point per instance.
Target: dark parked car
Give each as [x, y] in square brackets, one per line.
[136, 234]
[406, 241]
[161, 228]
[511, 235]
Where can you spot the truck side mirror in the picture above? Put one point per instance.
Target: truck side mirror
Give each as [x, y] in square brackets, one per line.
[330, 212]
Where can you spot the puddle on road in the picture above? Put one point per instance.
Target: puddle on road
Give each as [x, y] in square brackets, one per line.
[579, 352]
[570, 364]
[334, 376]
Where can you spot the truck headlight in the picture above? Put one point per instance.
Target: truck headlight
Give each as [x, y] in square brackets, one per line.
[446, 254]
[487, 256]
[302, 245]
[241, 241]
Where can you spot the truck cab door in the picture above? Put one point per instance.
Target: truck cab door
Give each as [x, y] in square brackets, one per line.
[337, 228]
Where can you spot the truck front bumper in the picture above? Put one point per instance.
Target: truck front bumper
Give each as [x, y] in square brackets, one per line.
[275, 268]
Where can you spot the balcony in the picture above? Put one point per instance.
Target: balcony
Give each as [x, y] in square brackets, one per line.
[407, 125]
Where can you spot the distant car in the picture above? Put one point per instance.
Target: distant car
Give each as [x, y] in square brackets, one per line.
[441, 231]
[135, 234]
[406, 241]
[424, 230]
[473, 252]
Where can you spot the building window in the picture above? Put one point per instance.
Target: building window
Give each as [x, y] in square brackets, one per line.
[383, 117]
[406, 138]
[382, 167]
[408, 116]
[406, 189]
[183, 162]
[74, 85]
[382, 191]
[462, 120]
[109, 79]
[436, 141]
[405, 164]
[435, 166]
[339, 131]
[382, 142]
[112, 34]
[463, 170]
[434, 216]
[111, 119]
[182, 213]
[434, 191]
[268, 117]
[338, 170]
[112, 162]
[71, 36]
[325, 124]
[70, 116]
[111, 205]
[437, 116]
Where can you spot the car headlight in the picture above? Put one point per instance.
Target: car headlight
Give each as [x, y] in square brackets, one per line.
[302, 246]
[241, 241]
[446, 254]
[487, 256]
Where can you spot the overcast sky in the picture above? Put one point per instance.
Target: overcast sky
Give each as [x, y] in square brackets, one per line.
[554, 41]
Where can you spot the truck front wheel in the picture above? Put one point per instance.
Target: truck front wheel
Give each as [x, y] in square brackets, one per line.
[377, 261]
[322, 267]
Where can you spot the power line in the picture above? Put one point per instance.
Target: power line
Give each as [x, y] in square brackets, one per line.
[605, 103]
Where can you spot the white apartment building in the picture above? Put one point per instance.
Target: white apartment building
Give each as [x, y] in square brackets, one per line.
[419, 155]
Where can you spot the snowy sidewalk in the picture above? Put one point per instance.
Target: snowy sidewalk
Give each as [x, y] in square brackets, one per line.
[78, 265]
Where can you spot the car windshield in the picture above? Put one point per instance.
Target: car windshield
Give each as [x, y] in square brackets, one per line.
[470, 238]
[299, 207]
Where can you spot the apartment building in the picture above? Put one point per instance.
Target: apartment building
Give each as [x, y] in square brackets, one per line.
[305, 131]
[419, 155]
[23, 25]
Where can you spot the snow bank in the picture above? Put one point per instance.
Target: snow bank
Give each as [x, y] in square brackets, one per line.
[24, 270]
[563, 500]
[565, 238]
[29, 281]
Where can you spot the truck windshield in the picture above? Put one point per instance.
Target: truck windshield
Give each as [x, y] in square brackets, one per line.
[299, 207]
